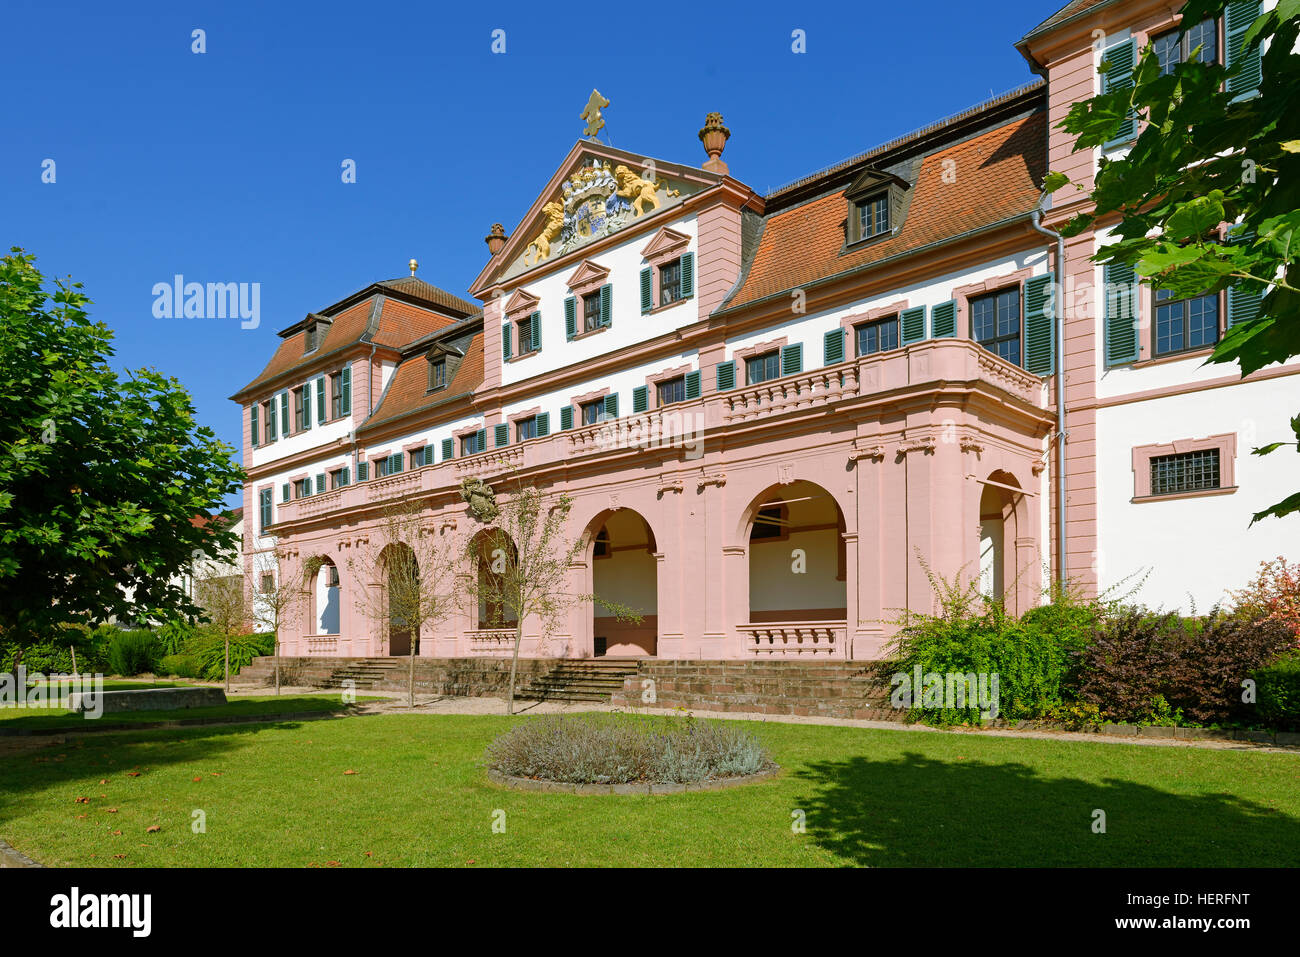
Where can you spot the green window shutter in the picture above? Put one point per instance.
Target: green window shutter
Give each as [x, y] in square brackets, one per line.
[725, 373]
[320, 483]
[1040, 324]
[611, 405]
[284, 413]
[606, 304]
[503, 434]
[833, 347]
[792, 359]
[1118, 63]
[543, 423]
[363, 471]
[265, 505]
[285, 492]
[1243, 303]
[688, 275]
[505, 341]
[320, 399]
[481, 442]
[448, 449]
[536, 327]
[912, 325]
[252, 420]
[395, 463]
[566, 417]
[306, 406]
[1245, 81]
[943, 320]
[345, 390]
[693, 385]
[570, 317]
[1120, 325]
[346, 477]
[428, 454]
[647, 290]
[640, 398]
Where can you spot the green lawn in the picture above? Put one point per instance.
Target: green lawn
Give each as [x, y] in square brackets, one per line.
[48, 719]
[279, 795]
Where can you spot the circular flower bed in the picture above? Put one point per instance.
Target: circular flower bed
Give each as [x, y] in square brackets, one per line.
[626, 753]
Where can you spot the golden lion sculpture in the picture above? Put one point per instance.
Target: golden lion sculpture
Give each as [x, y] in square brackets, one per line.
[540, 248]
[639, 191]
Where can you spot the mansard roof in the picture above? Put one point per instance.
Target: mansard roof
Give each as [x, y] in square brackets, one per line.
[407, 390]
[995, 158]
[391, 313]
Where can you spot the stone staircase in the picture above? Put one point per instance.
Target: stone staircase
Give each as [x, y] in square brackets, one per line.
[367, 675]
[582, 679]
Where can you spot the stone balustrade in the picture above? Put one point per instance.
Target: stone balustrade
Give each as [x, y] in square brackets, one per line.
[795, 639]
[491, 641]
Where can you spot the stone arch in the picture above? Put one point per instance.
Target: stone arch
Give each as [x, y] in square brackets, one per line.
[620, 561]
[794, 535]
[1007, 543]
[398, 571]
[324, 593]
[482, 548]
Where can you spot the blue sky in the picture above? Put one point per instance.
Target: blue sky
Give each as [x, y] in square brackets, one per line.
[225, 166]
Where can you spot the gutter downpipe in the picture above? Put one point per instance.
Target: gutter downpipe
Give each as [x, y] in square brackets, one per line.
[1058, 307]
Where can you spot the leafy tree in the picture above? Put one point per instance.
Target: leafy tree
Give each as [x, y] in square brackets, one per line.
[1209, 194]
[522, 561]
[100, 474]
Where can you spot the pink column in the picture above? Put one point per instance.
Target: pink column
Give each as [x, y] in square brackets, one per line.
[735, 597]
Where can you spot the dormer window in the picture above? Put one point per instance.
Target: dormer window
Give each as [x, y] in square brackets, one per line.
[437, 374]
[877, 202]
[873, 216]
[309, 339]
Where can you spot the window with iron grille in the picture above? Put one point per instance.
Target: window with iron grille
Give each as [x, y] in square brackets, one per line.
[674, 390]
[764, 367]
[878, 336]
[995, 323]
[670, 282]
[1185, 472]
[1183, 324]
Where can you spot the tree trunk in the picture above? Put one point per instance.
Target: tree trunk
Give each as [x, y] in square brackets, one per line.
[277, 661]
[514, 665]
[73, 649]
[227, 664]
[411, 676]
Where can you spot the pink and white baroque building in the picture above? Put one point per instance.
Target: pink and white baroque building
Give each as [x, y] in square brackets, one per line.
[777, 414]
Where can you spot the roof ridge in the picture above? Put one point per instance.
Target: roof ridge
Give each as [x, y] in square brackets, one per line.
[911, 136]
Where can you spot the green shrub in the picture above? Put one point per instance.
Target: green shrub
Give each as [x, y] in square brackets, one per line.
[1277, 689]
[1165, 669]
[622, 749]
[209, 649]
[182, 666]
[1035, 657]
[172, 635]
[133, 653]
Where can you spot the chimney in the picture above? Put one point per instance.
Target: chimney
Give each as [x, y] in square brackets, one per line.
[714, 136]
[496, 239]
[414, 266]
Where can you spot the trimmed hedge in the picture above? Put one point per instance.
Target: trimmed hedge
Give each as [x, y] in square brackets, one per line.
[1277, 689]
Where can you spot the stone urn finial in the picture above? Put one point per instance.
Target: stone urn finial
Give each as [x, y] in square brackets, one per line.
[714, 136]
[496, 239]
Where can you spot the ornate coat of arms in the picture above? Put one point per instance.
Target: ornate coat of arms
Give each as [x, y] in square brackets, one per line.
[594, 201]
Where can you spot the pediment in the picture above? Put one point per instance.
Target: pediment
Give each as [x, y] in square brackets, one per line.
[587, 274]
[871, 179]
[521, 301]
[666, 243]
[596, 192]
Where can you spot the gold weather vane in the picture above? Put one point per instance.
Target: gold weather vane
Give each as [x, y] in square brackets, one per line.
[595, 103]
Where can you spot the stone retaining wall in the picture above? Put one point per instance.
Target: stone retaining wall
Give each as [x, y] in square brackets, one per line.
[466, 677]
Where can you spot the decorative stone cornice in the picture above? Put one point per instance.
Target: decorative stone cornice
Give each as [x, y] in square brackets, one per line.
[719, 479]
[859, 452]
[670, 484]
[971, 443]
[927, 445]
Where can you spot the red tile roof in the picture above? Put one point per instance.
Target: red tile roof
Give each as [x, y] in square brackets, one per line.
[1071, 9]
[998, 176]
[407, 390]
